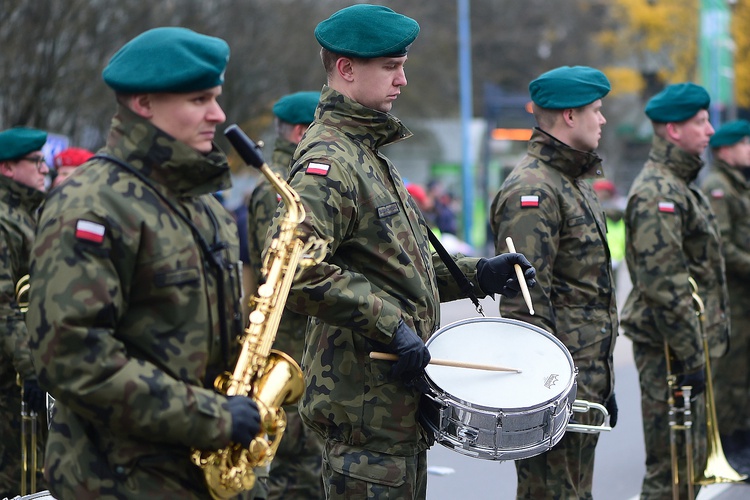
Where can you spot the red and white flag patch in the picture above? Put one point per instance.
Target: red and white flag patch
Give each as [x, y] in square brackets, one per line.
[318, 168]
[666, 207]
[717, 193]
[529, 201]
[89, 231]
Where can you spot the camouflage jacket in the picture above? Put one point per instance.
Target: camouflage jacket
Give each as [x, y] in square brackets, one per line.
[378, 269]
[17, 225]
[127, 315]
[290, 336]
[671, 236]
[729, 194]
[548, 207]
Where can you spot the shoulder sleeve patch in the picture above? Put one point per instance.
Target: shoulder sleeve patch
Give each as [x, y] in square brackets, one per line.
[666, 206]
[90, 231]
[717, 193]
[529, 201]
[314, 168]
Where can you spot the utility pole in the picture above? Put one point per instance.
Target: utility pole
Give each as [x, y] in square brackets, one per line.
[716, 58]
[465, 90]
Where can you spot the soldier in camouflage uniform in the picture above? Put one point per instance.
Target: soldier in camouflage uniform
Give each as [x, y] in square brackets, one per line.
[671, 235]
[548, 207]
[295, 470]
[378, 287]
[134, 303]
[22, 173]
[728, 189]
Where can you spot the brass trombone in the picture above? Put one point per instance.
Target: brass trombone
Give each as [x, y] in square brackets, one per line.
[717, 469]
[29, 450]
[30, 465]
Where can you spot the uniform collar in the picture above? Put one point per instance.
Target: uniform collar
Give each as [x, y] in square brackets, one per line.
[683, 164]
[281, 159]
[562, 157]
[20, 194]
[734, 174]
[164, 159]
[371, 127]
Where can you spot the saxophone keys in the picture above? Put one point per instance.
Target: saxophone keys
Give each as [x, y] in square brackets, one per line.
[257, 317]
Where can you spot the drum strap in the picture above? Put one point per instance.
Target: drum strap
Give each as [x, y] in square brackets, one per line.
[467, 287]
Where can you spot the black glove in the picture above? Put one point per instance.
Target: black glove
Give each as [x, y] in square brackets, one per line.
[496, 275]
[245, 419]
[413, 355]
[611, 406]
[696, 379]
[34, 396]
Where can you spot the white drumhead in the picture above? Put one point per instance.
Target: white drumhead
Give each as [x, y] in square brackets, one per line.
[546, 365]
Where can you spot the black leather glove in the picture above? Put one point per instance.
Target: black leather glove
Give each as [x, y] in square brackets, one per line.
[245, 419]
[696, 379]
[611, 406]
[412, 353]
[34, 396]
[496, 275]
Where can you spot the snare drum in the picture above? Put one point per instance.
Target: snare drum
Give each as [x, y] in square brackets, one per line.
[41, 495]
[499, 415]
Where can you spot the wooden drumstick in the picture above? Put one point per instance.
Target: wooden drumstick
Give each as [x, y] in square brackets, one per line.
[521, 279]
[446, 362]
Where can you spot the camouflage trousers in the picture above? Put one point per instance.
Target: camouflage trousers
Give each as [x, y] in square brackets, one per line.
[564, 472]
[567, 470]
[352, 473]
[10, 441]
[657, 483]
[732, 373]
[296, 469]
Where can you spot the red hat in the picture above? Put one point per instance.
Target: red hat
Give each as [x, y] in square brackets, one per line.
[72, 157]
[604, 185]
[417, 192]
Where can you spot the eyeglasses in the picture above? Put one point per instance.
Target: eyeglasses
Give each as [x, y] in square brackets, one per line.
[36, 160]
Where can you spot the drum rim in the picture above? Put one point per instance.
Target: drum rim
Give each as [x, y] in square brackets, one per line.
[562, 396]
[499, 319]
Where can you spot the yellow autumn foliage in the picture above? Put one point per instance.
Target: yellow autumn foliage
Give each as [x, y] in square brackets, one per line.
[652, 36]
[741, 36]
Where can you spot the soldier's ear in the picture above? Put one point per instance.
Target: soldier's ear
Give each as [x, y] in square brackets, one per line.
[345, 68]
[672, 131]
[6, 169]
[141, 104]
[567, 115]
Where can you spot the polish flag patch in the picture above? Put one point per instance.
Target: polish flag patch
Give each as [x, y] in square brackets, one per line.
[529, 201]
[666, 207]
[318, 168]
[89, 231]
[278, 197]
[717, 193]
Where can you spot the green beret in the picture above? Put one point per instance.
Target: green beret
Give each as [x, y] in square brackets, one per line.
[569, 87]
[20, 141]
[677, 103]
[367, 31]
[297, 108]
[730, 133]
[168, 59]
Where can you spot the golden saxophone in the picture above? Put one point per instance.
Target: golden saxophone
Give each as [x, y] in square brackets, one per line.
[270, 377]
